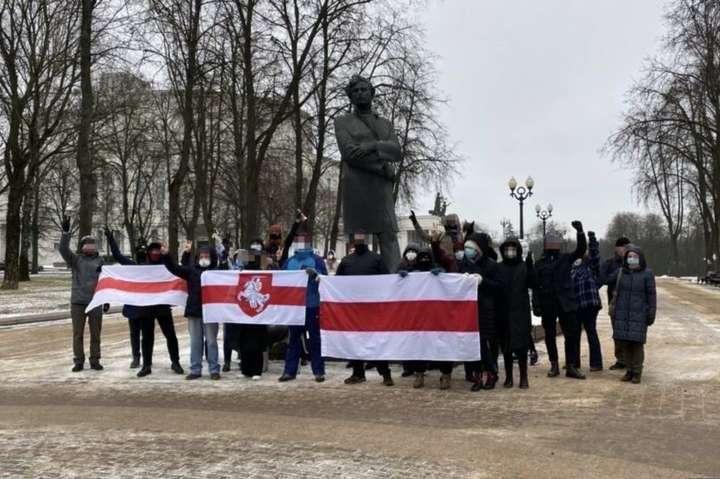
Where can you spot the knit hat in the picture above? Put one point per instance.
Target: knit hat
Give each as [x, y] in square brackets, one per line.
[86, 240]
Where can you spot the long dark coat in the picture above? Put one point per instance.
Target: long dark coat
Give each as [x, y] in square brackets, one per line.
[488, 291]
[514, 318]
[635, 306]
[369, 150]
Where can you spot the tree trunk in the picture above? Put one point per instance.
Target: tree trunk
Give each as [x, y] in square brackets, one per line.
[84, 160]
[12, 232]
[25, 239]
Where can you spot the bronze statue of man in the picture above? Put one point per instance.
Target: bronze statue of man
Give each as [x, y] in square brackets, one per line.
[370, 151]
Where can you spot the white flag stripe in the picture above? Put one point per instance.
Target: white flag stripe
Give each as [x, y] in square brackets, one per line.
[401, 346]
[230, 277]
[272, 315]
[117, 296]
[392, 287]
[138, 273]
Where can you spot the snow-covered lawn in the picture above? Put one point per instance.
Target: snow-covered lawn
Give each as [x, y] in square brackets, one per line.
[44, 292]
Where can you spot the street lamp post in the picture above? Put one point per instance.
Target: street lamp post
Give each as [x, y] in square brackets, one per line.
[521, 193]
[544, 215]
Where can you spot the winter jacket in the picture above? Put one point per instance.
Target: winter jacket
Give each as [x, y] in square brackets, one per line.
[635, 306]
[514, 319]
[489, 290]
[85, 271]
[191, 272]
[130, 311]
[607, 275]
[555, 284]
[585, 279]
[365, 263]
[304, 259]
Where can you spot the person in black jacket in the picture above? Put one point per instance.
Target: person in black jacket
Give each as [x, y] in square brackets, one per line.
[514, 319]
[201, 334]
[480, 260]
[362, 261]
[146, 315]
[557, 300]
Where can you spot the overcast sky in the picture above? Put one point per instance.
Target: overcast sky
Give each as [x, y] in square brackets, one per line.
[535, 88]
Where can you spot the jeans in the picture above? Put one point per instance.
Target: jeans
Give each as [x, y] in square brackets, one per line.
[295, 338]
[94, 319]
[200, 334]
[588, 319]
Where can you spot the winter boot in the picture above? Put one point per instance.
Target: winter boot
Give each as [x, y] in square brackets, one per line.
[177, 368]
[554, 370]
[628, 377]
[226, 366]
[477, 382]
[574, 373]
[508, 375]
[192, 376]
[96, 365]
[355, 379]
[215, 376]
[523, 365]
[419, 380]
[135, 363]
[445, 381]
[285, 377]
[492, 379]
[78, 367]
[637, 378]
[533, 357]
[617, 365]
[387, 380]
[144, 371]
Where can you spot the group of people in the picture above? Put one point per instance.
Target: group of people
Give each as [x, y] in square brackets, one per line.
[559, 287]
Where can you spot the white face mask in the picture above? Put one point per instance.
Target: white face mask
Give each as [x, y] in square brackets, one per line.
[633, 262]
[410, 255]
[255, 247]
[204, 262]
[301, 245]
[459, 255]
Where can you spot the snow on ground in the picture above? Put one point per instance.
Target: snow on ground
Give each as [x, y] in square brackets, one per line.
[45, 292]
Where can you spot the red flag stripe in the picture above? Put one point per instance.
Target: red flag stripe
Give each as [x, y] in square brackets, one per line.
[457, 316]
[279, 295]
[141, 286]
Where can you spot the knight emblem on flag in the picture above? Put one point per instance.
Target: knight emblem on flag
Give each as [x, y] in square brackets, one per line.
[254, 293]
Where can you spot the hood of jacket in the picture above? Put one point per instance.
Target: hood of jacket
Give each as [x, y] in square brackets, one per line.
[213, 257]
[511, 242]
[631, 248]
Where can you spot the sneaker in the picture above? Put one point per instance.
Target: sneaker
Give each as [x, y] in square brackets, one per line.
[617, 365]
[177, 368]
[387, 381]
[215, 376]
[96, 366]
[135, 363]
[355, 379]
[192, 376]
[444, 381]
[320, 378]
[144, 371]
[255, 378]
[419, 380]
[285, 377]
[78, 367]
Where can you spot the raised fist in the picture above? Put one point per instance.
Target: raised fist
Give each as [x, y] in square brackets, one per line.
[108, 233]
[65, 225]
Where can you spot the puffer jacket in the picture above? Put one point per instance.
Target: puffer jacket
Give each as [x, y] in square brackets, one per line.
[636, 302]
[85, 271]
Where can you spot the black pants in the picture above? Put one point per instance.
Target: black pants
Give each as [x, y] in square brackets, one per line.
[134, 324]
[359, 368]
[231, 334]
[571, 332]
[520, 354]
[489, 353]
[251, 362]
[147, 327]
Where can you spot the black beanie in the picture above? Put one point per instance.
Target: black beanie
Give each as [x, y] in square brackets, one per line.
[622, 241]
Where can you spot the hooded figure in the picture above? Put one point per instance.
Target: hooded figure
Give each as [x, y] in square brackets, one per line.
[480, 260]
[191, 270]
[143, 318]
[607, 276]
[514, 318]
[635, 308]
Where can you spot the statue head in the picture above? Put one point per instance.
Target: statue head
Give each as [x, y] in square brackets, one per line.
[360, 91]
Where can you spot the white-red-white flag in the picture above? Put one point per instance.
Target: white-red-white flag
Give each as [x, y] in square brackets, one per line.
[138, 285]
[254, 297]
[387, 317]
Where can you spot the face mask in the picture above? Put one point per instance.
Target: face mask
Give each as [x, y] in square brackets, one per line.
[633, 262]
[256, 247]
[204, 262]
[470, 253]
[577, 262]
[298, 245]
[410, 255]
[274, 237]
[511, 253]
[154, 256]
[459, 255]
[360, 248]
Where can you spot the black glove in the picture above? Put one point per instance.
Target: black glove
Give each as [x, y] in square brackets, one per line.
[413, 218]
[106, 307]
[65, 225]
[577, 225]
[436, 271]
[109, 234]
[402, 273]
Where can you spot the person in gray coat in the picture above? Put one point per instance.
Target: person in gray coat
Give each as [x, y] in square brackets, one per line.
[85, 271]
[635, 307]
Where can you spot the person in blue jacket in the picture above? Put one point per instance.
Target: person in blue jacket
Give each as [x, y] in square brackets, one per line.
[304, 258]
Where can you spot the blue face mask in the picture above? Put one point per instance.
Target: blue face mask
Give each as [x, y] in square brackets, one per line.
[470, 253]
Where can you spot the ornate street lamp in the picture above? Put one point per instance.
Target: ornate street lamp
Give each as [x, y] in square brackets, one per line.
[544, 215]
[521, 193]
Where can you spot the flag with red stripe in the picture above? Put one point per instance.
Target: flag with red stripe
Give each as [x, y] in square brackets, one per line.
[387, 317]
[254, 297]
[138, 285]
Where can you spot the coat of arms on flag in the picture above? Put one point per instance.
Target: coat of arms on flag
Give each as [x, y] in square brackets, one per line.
[252, 295]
